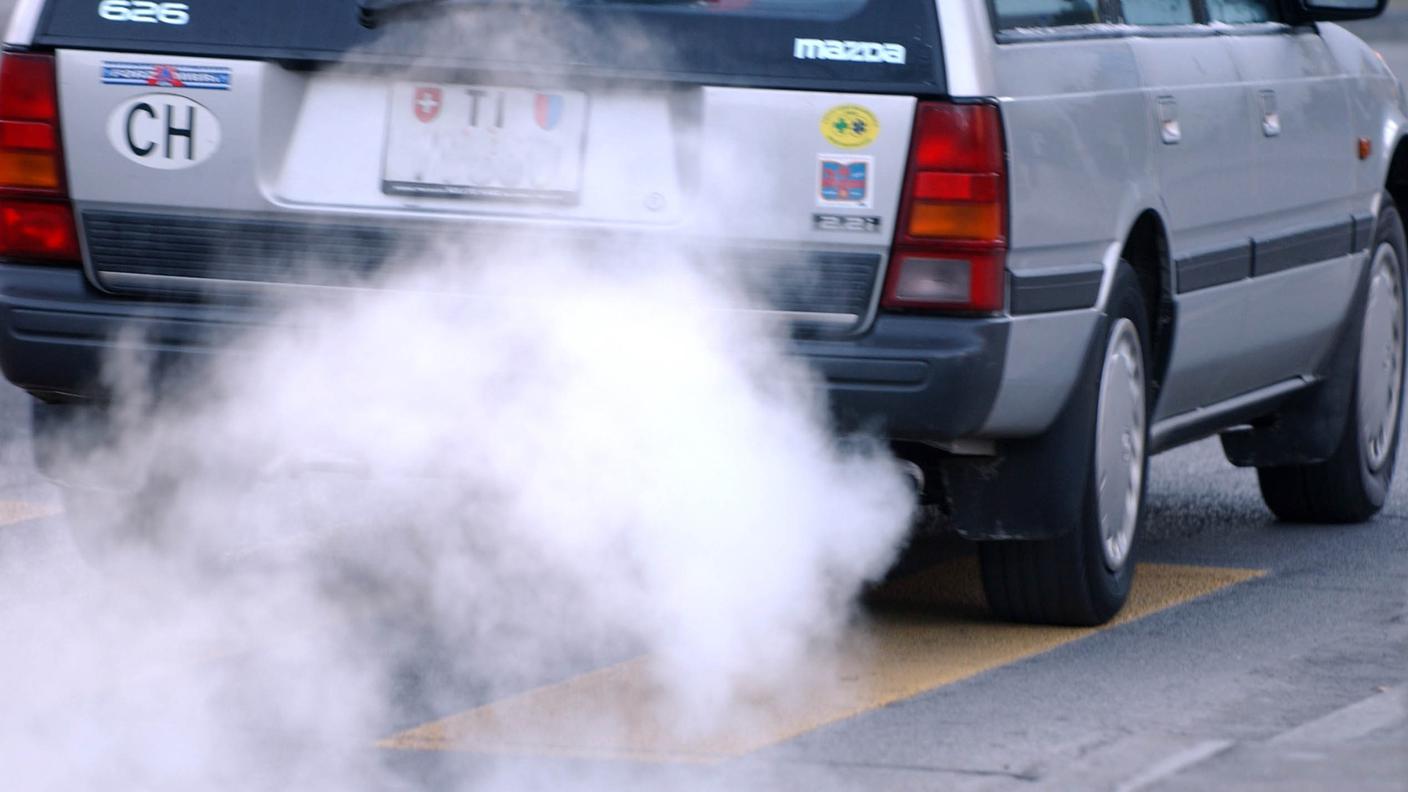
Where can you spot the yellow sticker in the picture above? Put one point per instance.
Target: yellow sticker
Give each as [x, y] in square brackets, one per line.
[850, 126]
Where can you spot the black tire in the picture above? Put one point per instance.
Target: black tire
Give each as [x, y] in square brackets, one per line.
[1349, 487]
[1067, 580]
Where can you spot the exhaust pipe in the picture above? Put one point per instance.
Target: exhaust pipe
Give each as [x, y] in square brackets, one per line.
[915, 474]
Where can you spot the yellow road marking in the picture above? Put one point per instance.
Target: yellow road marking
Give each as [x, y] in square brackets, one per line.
[13, 512]
[928, 631]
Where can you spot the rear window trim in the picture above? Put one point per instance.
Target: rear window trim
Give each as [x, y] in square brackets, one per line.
[1110, 30]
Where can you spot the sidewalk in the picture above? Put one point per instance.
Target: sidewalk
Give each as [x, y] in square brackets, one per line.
[1363, 747]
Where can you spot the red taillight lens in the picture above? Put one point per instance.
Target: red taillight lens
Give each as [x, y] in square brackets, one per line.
[36, 216]
[960, 138]
[28, 88]
[28, 135]
[37, 229]
[952, 238]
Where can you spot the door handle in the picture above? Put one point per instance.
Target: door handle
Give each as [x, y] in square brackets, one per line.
[1169, 127]
[1270, 115]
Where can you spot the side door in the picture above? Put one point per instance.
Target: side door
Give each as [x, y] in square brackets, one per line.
[1203, 155]
[1306, 158]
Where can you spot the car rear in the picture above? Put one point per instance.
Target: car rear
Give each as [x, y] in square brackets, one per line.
[193, 158]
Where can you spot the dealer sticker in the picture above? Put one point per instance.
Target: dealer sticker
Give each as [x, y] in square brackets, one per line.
[850, 126]
[164, 75]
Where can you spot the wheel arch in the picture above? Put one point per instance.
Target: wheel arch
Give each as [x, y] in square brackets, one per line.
[1146, 248]
[1396, 183]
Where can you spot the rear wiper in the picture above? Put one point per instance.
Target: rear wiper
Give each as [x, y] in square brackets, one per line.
[372, 13]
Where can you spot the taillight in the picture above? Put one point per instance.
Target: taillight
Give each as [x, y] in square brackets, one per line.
[36, 215]
[951, 243]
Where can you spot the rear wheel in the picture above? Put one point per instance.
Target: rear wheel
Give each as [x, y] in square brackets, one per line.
[1083, 577]
[1353, 483]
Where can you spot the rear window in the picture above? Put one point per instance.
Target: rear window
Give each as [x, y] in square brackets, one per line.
[1014, 14]
[879, 45]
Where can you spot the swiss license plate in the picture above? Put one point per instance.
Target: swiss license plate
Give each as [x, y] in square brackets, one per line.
[463, 141]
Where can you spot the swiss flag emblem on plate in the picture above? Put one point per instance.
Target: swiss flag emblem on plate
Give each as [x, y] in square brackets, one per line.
[428, 102]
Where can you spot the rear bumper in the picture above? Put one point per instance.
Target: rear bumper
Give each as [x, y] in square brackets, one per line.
[57, 331]
[913, 378]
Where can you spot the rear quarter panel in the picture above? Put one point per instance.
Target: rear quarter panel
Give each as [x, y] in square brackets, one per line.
[1081, 173]
[19, 18]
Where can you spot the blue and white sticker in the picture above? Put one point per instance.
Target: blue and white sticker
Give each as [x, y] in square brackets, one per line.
[845, 181]
[166, 75]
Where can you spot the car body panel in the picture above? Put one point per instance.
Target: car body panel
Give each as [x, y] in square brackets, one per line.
[286, 152]
[1305, 160]
[1209, 198]
[1067, 180]
[968, 45]
[24, 22]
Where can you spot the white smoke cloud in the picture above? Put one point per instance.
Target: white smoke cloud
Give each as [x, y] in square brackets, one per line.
[413, 481]
[493, 468]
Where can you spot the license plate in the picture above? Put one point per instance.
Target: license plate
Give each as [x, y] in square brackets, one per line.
[481, 142]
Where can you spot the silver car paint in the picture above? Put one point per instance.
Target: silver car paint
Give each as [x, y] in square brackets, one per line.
[24, 20]
[1209, 200]
[1305, 173]
[1377, 105]
[286, 151]
[1043, 364]
[1305, 179]
[965, 32]
[1057, 160]
[1231, 339]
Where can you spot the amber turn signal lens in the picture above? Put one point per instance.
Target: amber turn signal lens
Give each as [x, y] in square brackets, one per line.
[29, 170]
[956, 221]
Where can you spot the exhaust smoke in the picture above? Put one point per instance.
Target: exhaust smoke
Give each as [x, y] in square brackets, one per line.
[492, 467]
[396, 503]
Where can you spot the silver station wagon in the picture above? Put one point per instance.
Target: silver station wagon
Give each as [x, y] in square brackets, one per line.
[1034, 241]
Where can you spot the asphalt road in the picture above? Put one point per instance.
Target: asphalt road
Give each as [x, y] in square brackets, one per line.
[1262, 656]
[1259, 655]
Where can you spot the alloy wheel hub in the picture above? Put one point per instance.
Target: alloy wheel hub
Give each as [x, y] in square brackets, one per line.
[1120, 440]
[1381, 359]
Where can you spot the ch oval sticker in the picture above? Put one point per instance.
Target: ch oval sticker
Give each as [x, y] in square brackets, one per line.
[164, 131]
